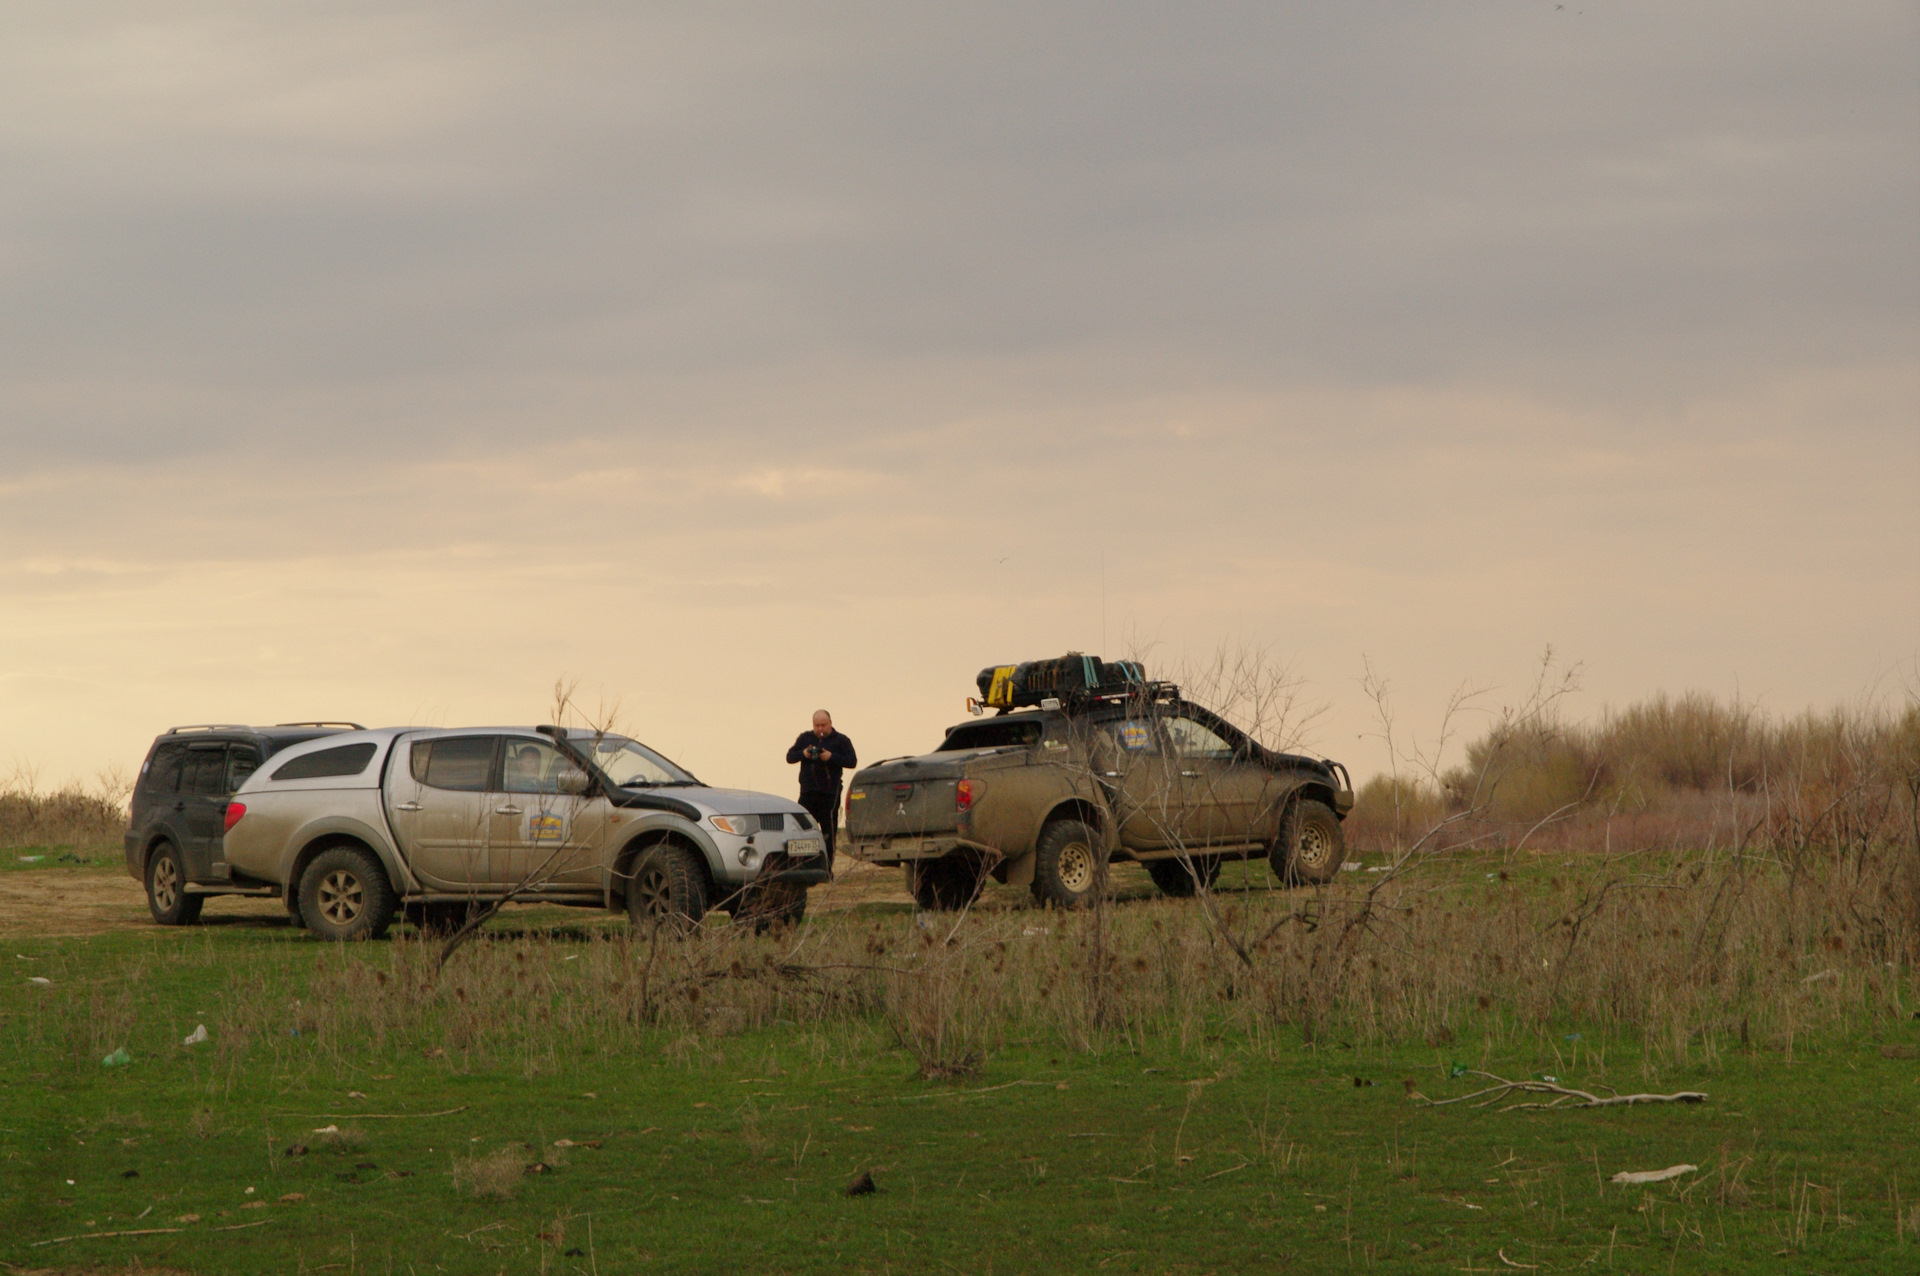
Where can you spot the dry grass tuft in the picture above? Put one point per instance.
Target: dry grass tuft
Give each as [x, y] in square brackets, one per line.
[495, 1175]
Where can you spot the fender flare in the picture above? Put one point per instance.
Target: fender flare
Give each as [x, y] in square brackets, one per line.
[661, 826]
[341, 830]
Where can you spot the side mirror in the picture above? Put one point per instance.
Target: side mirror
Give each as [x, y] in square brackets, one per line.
[572, 782]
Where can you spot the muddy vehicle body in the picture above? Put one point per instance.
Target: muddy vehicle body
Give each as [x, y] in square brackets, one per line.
[1041, 796]
[174, 840]
[361, 827]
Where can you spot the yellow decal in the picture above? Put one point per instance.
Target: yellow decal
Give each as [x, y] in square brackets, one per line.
[1000, 693]
[546, 828]
[857, 795]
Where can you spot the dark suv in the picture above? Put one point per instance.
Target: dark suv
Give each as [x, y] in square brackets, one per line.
[180, 809]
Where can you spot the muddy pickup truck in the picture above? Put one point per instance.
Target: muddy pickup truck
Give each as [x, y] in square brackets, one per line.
[1039, 796]
[429, 823]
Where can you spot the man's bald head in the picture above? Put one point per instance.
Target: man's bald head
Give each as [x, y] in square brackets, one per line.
[822, 722]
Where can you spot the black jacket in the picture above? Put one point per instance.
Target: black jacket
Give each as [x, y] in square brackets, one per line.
[822, 777]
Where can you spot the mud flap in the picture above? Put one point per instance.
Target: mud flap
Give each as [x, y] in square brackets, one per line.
[1015, 872]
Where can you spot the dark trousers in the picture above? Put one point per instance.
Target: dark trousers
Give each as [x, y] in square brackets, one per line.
[825, 810]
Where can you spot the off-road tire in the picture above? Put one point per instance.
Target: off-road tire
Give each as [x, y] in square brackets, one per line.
[946, 884]
[167, 897]
[665, 884]
[1067, 864]
[764, 906]
[345, 894]
[1311, 845]
[437, 920]
[1173, 879]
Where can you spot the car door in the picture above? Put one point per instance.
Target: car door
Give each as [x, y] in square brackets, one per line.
[544, 831]
[1232, 798]
[438, 799]
[1143, 783]
[242, 761]
[201, 805]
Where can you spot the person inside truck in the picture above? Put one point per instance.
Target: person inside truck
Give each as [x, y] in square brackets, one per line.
[523, 770]
[823, 754]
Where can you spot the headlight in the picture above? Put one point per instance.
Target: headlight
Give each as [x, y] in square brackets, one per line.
[738, 825]
[747, 856]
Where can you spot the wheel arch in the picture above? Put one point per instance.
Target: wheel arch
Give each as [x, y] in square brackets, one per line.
[661, 834]
[315, 847]
[1092, 814]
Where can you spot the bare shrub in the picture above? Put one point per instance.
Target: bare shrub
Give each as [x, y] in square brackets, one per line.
[86, 818]
[1667, 773]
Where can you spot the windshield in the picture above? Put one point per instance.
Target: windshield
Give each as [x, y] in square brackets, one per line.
[630, 764]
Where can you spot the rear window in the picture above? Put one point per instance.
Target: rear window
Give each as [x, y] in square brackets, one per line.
[461, 763]
[205, 770]
[163, 773]
[993, 733]
[348, 759]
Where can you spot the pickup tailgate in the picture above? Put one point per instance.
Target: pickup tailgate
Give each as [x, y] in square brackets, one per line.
[909, 797]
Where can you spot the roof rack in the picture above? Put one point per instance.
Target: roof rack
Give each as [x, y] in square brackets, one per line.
[209, 726]
[348, 726]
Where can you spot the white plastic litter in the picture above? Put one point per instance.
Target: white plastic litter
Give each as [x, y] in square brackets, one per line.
[195, 1037]
[1351, 866]
[40, 980]
[1654, 1176]
[328, 1129]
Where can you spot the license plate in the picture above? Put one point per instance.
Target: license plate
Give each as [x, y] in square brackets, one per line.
[804, 846]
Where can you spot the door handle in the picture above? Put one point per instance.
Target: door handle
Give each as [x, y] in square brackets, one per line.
[1190, 774]
[407, 806]
[1111, 773]
[506, 810]
[179, 806]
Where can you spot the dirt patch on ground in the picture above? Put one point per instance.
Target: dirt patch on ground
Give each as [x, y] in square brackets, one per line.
[51, 902]
[93, 901]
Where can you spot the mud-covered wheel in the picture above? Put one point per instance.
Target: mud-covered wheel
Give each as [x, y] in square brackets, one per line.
[1173, 879]
[167, 897]
[435, 919]
[1066, 864]
[665, 885]
[344, 894]
[765, 905]
[1311, 845]
[945, 884]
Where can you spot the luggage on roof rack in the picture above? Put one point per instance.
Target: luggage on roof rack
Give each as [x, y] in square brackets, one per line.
[1074, 674]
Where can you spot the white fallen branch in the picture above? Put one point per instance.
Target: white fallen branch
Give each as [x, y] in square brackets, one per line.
[1565, 1097]
[1630, 1177]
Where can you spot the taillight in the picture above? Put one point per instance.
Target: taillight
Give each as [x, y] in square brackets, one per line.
[234, 811]
[963, 795]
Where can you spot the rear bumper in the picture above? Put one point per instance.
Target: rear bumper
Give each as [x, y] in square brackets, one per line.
[905, 849]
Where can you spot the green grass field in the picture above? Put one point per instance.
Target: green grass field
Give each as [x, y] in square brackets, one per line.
[489, 1120]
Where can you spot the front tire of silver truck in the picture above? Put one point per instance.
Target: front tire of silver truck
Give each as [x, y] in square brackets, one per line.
[664, 884]
[1067, 864]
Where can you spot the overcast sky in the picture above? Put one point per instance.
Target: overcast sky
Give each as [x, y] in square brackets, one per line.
[392, 361]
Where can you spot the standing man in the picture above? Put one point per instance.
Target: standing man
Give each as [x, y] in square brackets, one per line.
[822, 754]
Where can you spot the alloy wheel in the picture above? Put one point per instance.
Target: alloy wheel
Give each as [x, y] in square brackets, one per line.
[342, 896]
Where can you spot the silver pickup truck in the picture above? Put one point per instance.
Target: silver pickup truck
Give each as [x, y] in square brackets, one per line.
[352, 828]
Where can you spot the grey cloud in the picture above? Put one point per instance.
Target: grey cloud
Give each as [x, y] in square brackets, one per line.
[278, 228]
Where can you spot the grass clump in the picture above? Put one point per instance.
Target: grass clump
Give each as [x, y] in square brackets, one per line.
[494, 1175]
